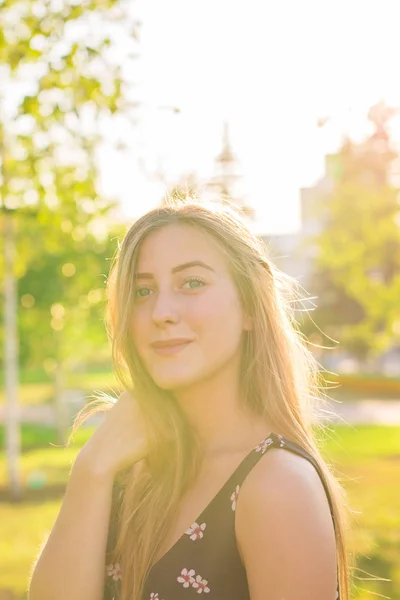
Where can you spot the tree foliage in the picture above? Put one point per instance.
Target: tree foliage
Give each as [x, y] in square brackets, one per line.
[62, 68]
[358, 258]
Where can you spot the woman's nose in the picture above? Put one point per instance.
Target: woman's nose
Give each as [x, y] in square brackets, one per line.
[165, 308]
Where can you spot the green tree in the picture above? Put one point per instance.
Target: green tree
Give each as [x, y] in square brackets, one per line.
[63, 293]
[61, 81]
[357, 271]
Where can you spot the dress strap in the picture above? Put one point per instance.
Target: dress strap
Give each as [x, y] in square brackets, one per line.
[275, 440]
[280, 441]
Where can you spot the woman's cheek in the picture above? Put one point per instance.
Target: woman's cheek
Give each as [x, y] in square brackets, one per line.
[206, 309]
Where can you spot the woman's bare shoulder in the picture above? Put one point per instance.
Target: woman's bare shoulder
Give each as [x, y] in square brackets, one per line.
[284, 529]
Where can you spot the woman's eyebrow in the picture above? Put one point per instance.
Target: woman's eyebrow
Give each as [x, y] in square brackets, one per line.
[187, 265]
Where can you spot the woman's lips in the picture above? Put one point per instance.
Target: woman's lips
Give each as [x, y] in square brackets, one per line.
[166, 350]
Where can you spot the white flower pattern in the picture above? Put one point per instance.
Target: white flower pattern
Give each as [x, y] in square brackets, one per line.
[234, 497]
[114, 571]
[195, 531]
[200, 585]
[262, 446]
[186, 577]
[281, 441]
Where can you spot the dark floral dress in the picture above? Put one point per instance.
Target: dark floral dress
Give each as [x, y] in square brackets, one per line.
[205, 559]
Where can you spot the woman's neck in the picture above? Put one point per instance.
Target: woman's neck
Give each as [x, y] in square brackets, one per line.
[214, 407]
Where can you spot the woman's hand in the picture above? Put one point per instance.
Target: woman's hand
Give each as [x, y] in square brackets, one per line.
[118, 442]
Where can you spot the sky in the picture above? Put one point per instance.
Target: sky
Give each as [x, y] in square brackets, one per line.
[271, 70]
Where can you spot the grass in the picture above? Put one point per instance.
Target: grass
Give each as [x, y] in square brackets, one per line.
[42, 392]
[24, 524]
[367, 462]
[366, 458]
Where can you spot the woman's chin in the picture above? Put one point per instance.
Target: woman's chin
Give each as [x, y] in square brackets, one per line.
[173, 382]
[173, 385]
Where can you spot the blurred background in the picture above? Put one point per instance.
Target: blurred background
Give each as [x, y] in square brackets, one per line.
[292, 111]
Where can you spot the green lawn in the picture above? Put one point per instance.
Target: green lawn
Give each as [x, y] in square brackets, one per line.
[42, 392]
[36, 386]
[367, 460]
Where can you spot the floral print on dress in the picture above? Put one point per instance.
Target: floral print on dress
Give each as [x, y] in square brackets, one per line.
[195, 531]
[234, 497]
[281, 440]
[114, 571]
[198, 583]
[186, 577]
[262, 446]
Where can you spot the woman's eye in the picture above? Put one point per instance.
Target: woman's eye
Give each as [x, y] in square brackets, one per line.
[144, 292]
[195, 280]
[141, 289]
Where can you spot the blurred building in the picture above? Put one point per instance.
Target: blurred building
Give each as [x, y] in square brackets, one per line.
[368, 162]
[227, 181]
[294, 253]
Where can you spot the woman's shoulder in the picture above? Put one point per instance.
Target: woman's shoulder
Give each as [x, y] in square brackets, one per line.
[283, 486]
[281, 474]
[283, 519]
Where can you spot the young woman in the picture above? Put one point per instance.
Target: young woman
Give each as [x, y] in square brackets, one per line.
[205, 476]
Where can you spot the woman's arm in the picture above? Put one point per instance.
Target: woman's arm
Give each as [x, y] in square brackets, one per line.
[72, 563]
[285, 530]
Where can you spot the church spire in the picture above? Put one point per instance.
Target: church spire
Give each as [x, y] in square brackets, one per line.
[227, 177]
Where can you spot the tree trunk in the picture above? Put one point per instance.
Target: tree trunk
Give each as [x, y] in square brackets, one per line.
[13, 437]
[60, 403]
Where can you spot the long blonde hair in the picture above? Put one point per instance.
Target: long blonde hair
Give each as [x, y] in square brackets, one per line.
[279, 375]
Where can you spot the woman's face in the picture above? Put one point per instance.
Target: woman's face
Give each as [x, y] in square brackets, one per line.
[177, 297]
